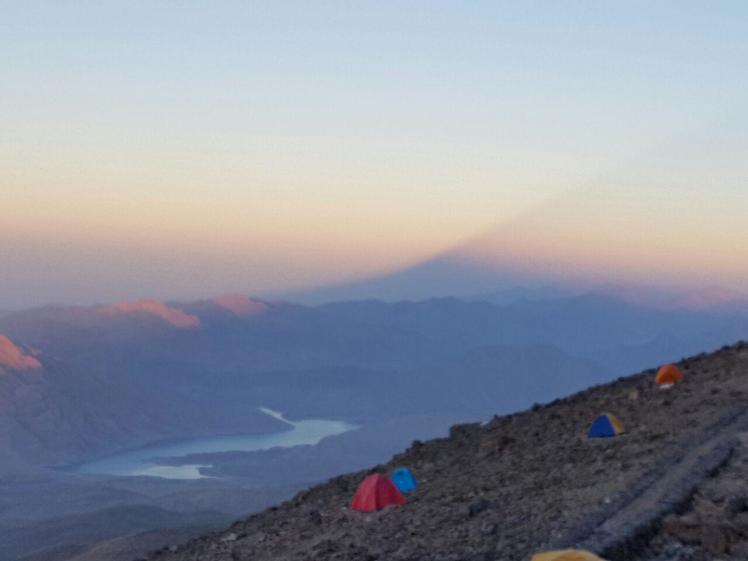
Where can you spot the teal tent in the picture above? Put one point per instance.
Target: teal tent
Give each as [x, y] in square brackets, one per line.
[403, 479]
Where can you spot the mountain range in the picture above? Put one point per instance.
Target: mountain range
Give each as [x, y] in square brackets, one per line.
[79, 383]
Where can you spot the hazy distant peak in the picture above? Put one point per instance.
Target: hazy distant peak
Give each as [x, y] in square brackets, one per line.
[712, 297]
[174, 316]
[14, 357]
[240, 305]
[699, 299]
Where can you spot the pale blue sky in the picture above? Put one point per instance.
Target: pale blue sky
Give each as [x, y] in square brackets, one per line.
[181, 148]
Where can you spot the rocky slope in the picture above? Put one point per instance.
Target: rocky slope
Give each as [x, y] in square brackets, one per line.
[714, 522]
[522, 482]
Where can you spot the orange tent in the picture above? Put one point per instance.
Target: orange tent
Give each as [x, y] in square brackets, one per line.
[376, 492]
[669, 374]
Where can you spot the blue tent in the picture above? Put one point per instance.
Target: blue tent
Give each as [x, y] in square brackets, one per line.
[606, 425]
[403, 479]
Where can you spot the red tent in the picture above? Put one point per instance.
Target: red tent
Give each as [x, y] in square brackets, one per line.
[376, 492]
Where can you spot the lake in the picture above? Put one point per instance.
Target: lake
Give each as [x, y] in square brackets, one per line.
[145, 461]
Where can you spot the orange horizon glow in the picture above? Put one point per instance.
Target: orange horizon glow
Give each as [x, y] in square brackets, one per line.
[207, 154]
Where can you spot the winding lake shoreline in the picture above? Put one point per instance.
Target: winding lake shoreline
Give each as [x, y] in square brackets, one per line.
[149, 460]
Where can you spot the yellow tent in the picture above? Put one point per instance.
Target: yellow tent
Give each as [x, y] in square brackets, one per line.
[566, 555]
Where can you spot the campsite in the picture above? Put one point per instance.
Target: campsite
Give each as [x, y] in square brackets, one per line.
[521, 484]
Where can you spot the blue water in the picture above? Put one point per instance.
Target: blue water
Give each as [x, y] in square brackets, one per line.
[145, 461]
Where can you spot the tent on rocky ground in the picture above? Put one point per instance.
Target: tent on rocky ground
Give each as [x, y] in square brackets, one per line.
[375, 493]
[668, 375]
[566, 555]
[403, 479]
[606, 425]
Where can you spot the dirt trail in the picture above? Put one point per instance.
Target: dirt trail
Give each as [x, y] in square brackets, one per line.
[712, 524]
[619, 531]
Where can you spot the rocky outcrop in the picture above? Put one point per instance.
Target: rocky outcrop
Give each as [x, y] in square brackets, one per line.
[713, 523]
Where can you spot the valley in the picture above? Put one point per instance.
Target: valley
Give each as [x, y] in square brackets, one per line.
[143, 422]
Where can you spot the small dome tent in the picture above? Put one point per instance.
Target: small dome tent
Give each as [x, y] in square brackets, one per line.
[403, 479]
[375, 493]
[668, 375]
[606, 425]
[566, 555]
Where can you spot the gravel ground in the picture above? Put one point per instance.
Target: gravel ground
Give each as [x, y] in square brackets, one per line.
[502, 490]
[714, 524]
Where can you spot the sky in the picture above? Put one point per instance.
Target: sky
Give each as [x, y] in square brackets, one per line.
[180, 149]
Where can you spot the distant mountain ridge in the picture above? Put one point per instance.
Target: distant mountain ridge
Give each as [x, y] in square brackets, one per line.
[462, 273]
[86, 353]
[111, 382]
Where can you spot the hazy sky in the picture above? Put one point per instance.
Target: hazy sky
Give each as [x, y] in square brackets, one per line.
[179, 149]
